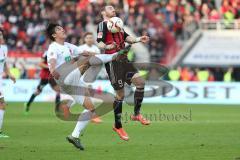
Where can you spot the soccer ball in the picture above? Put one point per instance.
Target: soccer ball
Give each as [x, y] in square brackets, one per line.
[115, 24]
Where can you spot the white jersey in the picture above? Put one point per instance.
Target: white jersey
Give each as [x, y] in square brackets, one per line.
[62, 53]
[92, 48]
[3, 57]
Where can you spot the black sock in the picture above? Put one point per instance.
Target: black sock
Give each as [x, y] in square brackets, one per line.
[117, 105]
[138, 98]
[57, 101]
[30, 101]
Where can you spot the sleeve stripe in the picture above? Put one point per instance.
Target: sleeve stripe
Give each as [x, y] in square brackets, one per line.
[101, 27]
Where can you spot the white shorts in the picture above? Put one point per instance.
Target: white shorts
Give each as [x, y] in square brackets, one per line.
[74, 79]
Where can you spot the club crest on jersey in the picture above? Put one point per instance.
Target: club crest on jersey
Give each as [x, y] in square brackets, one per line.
[100, 35]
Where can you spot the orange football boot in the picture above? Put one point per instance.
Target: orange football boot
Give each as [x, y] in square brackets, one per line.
[122, 134]
[96, 120]
[141, 119]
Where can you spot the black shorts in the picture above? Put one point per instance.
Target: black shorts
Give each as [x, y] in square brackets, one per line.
[120, 72]
[52, 81]
[44, 82]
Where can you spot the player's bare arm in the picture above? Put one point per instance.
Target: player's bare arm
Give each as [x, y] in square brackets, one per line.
[101, 45]
[43, 65]
[132, 40]
[82, 55]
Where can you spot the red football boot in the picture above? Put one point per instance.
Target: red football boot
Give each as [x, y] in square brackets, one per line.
[141, 119]
[122, 134]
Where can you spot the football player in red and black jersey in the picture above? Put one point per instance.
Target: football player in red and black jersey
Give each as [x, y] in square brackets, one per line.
[121, 71]
[45, 79]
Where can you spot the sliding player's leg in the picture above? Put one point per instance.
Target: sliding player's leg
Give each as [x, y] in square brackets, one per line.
[82, 122]
[73, 79]
[105, 58]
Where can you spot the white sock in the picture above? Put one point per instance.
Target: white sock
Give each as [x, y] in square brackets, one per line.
[104, 58]
[1, 118]
[81, 124]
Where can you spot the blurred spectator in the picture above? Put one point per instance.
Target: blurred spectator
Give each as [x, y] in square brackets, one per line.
[204, 75]
[23, 70]
[186, 74]
[218, 74]
[174, 74]
[228, 75]
[15, 71]
[236, 74]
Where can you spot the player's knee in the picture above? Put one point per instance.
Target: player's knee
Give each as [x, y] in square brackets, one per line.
[2, 105]
[140, 83]
[38, 91]
[120, 96]
[57, 89]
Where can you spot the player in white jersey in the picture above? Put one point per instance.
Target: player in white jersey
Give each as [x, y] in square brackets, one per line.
[91, 48]
[89, 45]
[3, 67]
[60, 53]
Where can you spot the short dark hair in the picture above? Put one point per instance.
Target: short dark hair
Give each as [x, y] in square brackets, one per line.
[103, 9]
[86, 34]
[51, 30]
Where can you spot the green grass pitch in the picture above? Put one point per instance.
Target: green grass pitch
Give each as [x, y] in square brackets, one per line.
[211, 133]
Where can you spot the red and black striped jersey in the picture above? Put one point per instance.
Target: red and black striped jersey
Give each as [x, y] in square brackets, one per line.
[44, 73]
[105, 36]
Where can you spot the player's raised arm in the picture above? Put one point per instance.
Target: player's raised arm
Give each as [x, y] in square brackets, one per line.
[132, 40]
[42, 64]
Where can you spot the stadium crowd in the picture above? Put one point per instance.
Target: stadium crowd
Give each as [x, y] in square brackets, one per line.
[24, 21]
[203, 74]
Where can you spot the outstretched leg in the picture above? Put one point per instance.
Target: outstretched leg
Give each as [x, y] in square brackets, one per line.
[139, 82]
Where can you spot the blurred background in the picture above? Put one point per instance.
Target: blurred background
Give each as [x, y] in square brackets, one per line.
[198, 40]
